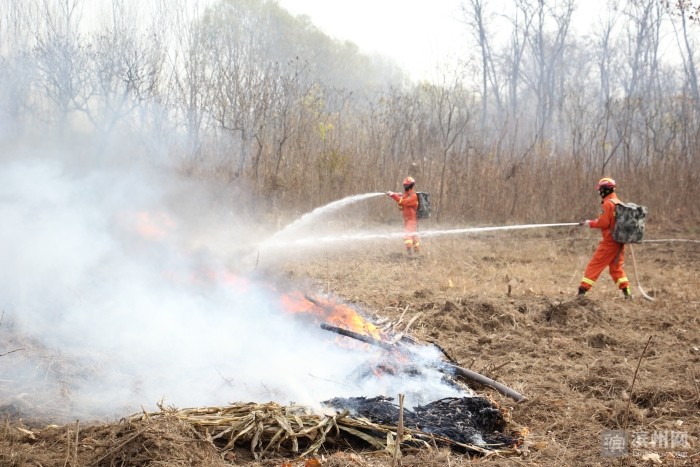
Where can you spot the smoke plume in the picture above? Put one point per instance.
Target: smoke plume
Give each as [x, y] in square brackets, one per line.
[116, 304]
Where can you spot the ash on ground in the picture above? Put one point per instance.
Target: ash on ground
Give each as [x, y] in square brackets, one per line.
[466, 420]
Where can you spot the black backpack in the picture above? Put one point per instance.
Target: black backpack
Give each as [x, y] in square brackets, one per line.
[423, 205]
[629, 222]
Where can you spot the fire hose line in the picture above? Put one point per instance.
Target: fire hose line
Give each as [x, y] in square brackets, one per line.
[634, 261]
[431, 233]
[636, 276]
[435, 233]
[669, 240]
[530, 226]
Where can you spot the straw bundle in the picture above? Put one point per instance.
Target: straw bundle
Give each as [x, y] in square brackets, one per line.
[271, 428]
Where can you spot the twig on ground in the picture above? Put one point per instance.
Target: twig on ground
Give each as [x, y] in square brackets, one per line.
[8, 353]
[116, 448]
[401, 317]
[634, 379]
[494, 370]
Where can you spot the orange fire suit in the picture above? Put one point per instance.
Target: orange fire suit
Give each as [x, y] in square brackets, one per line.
[609, 253]
[408, 204]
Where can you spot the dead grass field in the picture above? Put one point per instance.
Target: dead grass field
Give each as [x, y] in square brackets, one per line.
[502, 304]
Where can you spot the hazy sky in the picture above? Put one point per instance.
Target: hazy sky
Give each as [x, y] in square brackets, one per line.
[418, 35]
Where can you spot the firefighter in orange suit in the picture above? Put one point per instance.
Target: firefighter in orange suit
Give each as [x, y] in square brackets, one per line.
[609, 253]
[408, 204]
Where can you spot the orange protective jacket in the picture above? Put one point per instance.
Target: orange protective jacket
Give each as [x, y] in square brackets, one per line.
[408, 203]
[606, 220]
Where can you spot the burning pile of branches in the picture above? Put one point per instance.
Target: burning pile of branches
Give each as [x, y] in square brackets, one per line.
[467, 424]
[401, 344]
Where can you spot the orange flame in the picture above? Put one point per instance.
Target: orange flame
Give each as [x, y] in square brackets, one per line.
[319, 309]
[153, 226]
[331, 312]
[159, 225]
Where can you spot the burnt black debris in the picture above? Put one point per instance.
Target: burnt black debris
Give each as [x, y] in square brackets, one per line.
[466, 420]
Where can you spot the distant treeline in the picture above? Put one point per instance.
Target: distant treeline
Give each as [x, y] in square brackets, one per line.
[242, 94]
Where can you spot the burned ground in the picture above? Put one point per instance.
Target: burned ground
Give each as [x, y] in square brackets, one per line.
[503, 305]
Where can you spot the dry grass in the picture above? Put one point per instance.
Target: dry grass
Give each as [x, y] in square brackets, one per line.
[503, 305]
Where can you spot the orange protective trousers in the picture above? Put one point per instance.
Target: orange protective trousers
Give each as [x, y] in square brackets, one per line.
[608, 254]
[408, 204]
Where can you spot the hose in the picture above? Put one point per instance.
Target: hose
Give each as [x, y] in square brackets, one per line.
[661, 240]
[668, 240]
[636, 276]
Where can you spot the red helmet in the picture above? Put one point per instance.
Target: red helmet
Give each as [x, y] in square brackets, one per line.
[408, 182]
[605, 183]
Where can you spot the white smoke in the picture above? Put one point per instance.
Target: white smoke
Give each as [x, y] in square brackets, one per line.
[114, 310]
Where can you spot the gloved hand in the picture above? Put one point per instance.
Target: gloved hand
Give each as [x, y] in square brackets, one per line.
[586, 223]
[390, 193]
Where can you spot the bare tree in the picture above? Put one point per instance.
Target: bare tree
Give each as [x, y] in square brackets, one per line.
[490, 84]
[449, 107]
[61, 60]
[244, 75]
[642, 86]
[127, 67]
[686, 10]
[187, 73]
[513, 58]
[546, 51]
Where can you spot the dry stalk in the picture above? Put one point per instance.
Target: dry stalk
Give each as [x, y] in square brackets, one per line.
[2, 316]
[399, 434]
[411, 322]
[119, 446]
[401, 317]
[68, 450]
[566, 446]
[77, 432]
[8, 353]
[494, 370]
[634, 379]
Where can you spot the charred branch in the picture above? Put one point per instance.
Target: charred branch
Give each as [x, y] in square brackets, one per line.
[358, 336]
[481, 379]
[11, 351]
[451, 367]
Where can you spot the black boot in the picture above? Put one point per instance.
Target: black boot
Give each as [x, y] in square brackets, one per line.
[581, 291]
